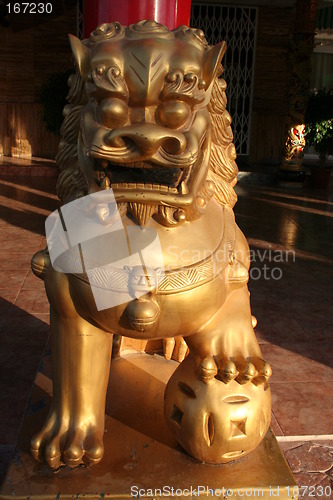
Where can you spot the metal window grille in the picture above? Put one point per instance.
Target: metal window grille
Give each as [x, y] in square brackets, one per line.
[237, 26]
[79, 19]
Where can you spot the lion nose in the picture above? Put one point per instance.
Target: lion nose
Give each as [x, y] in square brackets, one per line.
[148, 138]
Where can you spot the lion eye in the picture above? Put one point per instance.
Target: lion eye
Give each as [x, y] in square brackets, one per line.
[113, 112]
[173, 114]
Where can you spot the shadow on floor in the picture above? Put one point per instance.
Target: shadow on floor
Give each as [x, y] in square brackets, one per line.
[26, 207]
[23, 341]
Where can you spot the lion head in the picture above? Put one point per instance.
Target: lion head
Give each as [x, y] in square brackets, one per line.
[147, 117]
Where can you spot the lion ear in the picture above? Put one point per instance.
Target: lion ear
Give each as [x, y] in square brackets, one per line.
[81, 54]
[212, 61]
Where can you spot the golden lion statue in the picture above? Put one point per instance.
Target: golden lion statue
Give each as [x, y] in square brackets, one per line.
[147, 121]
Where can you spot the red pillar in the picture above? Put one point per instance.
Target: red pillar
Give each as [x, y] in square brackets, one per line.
[172, 13]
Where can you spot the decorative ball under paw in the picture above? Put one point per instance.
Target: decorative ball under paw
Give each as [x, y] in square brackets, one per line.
[213, 421]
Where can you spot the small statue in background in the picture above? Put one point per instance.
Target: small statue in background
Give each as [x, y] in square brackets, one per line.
[295, 143]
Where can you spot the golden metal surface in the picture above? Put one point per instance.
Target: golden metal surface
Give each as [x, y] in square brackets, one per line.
[147, 118]
[140, 451]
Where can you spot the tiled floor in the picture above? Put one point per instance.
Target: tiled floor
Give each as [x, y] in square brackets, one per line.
[295, 320]
[32, 167]
[290, 234]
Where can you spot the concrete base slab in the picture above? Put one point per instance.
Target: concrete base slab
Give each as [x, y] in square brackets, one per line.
[142, 458]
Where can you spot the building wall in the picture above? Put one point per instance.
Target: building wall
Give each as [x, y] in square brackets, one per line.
[271, 83]
[32, 48]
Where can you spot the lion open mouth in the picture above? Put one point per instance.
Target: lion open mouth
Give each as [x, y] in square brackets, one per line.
[145, 176]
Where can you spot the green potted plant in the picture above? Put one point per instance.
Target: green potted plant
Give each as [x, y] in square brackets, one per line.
[319, 133]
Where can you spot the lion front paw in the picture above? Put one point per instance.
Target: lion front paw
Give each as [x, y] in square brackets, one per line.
[215, 415]
[59, 443]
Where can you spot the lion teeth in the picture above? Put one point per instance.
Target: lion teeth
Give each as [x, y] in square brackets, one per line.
[183, 188]
[141, 185]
